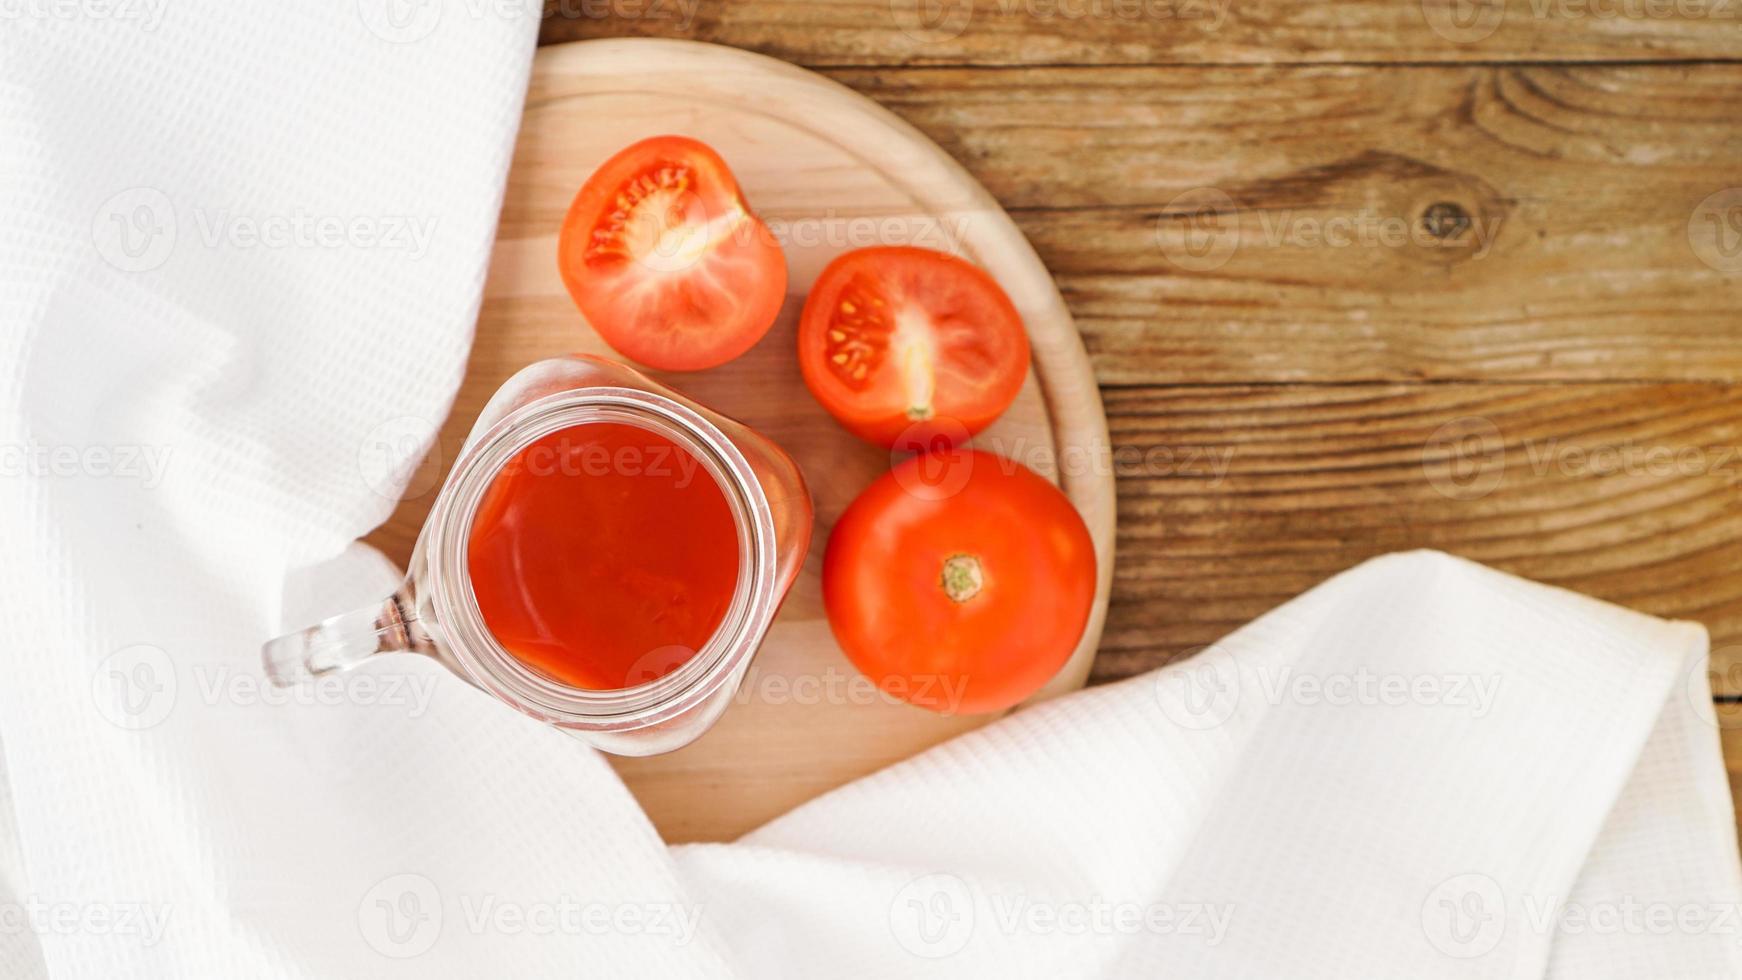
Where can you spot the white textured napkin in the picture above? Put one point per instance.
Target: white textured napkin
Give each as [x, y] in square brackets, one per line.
[242, 253]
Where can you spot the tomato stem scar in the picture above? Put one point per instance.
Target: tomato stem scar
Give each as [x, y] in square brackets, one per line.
[963, 578]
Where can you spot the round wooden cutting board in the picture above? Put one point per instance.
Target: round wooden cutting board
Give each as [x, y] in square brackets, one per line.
[829, 171]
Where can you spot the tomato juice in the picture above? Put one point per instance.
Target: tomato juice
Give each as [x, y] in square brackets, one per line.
[603, 556]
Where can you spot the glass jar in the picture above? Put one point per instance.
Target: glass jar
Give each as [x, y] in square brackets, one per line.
[435, 612]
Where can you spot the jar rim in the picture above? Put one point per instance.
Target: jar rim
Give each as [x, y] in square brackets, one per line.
[490, 665]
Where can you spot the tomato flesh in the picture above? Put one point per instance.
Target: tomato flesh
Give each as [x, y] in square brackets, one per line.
[664, 258]
[960, 581]
[911, 346]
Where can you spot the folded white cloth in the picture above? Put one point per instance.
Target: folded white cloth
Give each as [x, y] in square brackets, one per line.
[242, 256]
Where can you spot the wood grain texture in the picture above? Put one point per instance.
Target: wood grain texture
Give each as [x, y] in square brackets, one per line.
[1235, 499]
[1101, 32]
[1594, 248]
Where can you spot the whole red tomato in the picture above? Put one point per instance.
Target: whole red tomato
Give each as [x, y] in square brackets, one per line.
[959, 581]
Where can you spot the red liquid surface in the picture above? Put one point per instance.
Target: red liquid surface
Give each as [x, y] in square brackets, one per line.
[603, 556]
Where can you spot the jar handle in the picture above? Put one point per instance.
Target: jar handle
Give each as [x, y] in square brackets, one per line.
[345, 641]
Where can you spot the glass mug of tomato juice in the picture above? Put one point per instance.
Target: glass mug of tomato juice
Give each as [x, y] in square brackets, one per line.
[606, 556]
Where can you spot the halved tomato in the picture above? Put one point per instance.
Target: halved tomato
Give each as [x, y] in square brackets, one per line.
[908, 344]
[665, 260]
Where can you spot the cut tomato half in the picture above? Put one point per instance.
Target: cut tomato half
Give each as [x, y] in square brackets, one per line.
[665, 260]
[912, 347]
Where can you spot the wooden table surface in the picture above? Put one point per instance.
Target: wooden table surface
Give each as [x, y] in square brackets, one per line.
[1356, 276]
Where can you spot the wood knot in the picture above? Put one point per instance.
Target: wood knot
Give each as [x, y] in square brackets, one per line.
[1445, 220]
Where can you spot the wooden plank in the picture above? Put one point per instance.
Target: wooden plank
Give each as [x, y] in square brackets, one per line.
[1099, 32]
[1235, 499]
[1233, 225]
